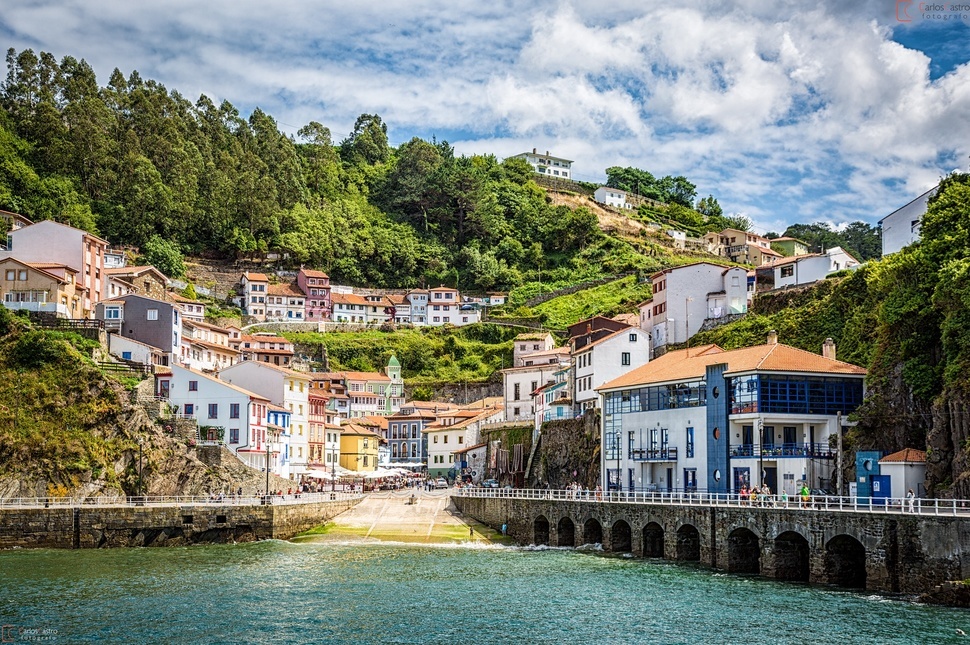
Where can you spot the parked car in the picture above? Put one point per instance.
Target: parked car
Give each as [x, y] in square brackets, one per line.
[441, 482]
[490, 483]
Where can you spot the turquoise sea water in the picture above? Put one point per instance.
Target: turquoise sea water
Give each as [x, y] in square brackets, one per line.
[328, 592]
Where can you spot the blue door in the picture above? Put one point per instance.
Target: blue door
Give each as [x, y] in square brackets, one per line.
[880, 489]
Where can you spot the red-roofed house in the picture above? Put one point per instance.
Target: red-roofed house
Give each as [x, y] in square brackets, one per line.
[316, 287]
[285, 302]
[907, 471]
[253, 299]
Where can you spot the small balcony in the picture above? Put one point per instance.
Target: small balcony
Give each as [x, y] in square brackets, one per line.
[782, 451]
[654, 454]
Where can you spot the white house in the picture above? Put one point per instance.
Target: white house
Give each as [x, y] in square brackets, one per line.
[240, 416]
[285, 388]
[254, 287]
[685, 296]
[804, 269]
[519, 383]
[716, 420]
[612, 197]
[546, 164]
[902, 226]
[418, 298]
[906, 470]
[604, 360]
[455, 430]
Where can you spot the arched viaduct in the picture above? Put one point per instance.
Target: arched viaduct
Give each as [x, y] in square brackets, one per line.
[873, 551]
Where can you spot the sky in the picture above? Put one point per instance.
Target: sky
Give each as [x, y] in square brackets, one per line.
[786, 111]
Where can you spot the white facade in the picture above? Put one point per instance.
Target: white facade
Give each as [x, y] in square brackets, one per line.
[546, 164]
[684, 297]
[419, 307]
[902, 227]
[254, 287]
[287, 389]
[612, 197]
[805, 269]
[131, 350]
[212, 402]
[520, 382]
[607, 359]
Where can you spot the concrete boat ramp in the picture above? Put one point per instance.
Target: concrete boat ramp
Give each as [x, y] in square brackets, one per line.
[415, 516]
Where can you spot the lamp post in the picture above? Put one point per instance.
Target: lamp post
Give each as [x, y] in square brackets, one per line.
[267, 472]
[141, 485]
[761, 452]
[687, 301]
[333, 473]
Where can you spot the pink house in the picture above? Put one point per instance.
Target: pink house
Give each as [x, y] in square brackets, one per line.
[316, 286]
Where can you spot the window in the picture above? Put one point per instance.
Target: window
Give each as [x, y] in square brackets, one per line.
[461, 439]
[516, 392]
[112, 313]
[233, 410]
[152, 314]
[446, 439]
[193, 386]
[633, 338]
[11, 274]
[625, 358]
[233, 435]
[213, 410]
[436, 438]
[788, 270]
[189, 409]
[516, 411]
[22, 274]
[690, 442]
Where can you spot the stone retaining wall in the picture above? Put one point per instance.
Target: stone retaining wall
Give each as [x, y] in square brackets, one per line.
[96, 527]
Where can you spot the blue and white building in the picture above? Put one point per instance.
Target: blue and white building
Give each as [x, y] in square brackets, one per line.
[709, 419]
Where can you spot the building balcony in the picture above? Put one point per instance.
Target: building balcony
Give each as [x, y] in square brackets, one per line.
[782, 451]
[654, 454]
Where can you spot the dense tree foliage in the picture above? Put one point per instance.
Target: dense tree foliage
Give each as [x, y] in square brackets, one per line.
[671, 190]
[858, 238]
[141, 165]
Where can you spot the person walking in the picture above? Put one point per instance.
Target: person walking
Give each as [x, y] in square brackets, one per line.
[806, 495]
[911, 501]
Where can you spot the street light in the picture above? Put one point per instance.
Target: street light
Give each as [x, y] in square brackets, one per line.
[687, 301]
[267, 472]
[141, 485]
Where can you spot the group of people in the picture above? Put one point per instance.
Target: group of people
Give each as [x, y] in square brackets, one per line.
[762, 496]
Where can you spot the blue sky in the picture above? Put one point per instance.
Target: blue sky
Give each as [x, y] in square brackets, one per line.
[785, 111]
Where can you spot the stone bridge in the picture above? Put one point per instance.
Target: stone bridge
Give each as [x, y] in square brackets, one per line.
[885, 552]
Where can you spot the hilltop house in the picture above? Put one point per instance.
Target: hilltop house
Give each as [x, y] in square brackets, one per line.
[254, 287]
[605, 359]
[902, 226]
[546, 164]
[316, 287]
[685, 296]
[153, 322]
[803, 269]
[49, 242]
[43, 287]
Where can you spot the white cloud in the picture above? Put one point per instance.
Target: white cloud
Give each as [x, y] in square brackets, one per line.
[785, 113]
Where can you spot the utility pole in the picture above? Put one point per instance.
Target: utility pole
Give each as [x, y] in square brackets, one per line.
[838, 428]
[267, 469]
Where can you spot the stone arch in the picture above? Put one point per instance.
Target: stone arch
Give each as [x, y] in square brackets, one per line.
[653, 541]
[744, 551]
[621, 537]
[791, 557]
[540, 530]
[688, 543]
[566, 532]
[592, 531]
[845, 562]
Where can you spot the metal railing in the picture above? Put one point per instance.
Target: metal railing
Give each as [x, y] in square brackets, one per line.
[834, 503]
[222, 499]
[774, 450]
[654, 454]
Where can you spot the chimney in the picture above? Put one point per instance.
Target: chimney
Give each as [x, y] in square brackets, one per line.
[533, 151]
[772, 337]
[828, 349]
[547, 153]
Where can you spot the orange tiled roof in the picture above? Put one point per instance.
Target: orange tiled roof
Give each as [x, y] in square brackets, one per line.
[348, 299]
[288, 289]
[313, 273]
[906, 455]
[365, 376]
[684, 266]
[686, 364]
[255, 277]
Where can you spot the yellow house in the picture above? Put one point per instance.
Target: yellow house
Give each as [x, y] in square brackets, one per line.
[358, 448]
[47, 287]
